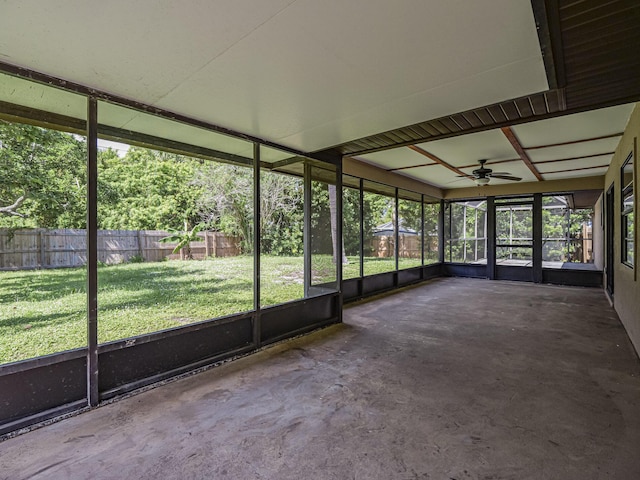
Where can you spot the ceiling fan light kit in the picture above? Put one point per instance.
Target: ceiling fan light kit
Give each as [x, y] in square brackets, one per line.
[482, 176]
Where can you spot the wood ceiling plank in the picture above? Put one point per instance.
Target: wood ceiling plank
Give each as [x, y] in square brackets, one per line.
[553, 103]
[440, 127]
[620, 28]
[484, 116]
[473, 119]
[515, 143]
[431, 129]
[539, 105]
[607, 92]
[403, 133]
[450, 124]
[615, 42]
[397, 137]
[607, 68]
[461, 121]
[524, 107]
[597, 12]
[510, 110]
[410, 133]
[420, 131]
[497, 113]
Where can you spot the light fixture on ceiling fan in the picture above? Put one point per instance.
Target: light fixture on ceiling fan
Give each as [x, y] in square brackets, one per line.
[482, 176]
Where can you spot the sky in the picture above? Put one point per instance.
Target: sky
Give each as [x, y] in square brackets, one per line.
[120, 148]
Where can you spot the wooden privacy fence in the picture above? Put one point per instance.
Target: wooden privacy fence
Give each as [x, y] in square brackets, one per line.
[42, 248]
[382, 246]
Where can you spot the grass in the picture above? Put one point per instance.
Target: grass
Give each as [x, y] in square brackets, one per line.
[44, 311]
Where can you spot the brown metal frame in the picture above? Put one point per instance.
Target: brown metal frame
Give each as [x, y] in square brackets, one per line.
[158, 355]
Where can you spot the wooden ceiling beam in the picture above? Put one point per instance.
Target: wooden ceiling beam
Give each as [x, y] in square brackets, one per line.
[475, 165]
[517, 146]
[439, 161]
[573, 158]
[578, 169]
[573, 142]
[412, 166]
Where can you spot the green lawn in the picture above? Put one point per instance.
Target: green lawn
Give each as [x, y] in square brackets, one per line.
[44, 311]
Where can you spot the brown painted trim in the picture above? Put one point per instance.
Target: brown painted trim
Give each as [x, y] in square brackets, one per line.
[573, 158]
[173, 146]
[613, 135]
[577, 169]
[515, 143]
[40, 118]
[549, 36]
[474, 165]
[412, 166]
[438, 160]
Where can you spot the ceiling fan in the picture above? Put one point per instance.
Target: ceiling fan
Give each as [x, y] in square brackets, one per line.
[482, 176]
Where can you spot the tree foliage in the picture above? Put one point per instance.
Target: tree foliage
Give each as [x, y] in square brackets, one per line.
[43, 184]
[45, 168]
[147, 190]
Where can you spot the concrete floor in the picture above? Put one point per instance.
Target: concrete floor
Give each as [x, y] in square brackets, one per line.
[454, 379]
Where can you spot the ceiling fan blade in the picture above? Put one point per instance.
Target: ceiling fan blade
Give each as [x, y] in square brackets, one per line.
[507, 177]
[500, 173]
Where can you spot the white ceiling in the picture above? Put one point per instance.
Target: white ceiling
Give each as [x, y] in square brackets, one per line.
[553, 162]
[308, 74]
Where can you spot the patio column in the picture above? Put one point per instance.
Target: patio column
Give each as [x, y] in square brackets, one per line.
[490, 233]
[537, 238]
[92, 251]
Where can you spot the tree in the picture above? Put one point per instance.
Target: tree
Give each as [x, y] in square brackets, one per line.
[333, 214]
[351, 221]
[13, 209]
[430, 233]
[146, 190]
[42, 178]
[226, 204]
[281, 214]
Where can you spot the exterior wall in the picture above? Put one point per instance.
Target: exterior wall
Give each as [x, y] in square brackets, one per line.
[597, 233]
[627, 285]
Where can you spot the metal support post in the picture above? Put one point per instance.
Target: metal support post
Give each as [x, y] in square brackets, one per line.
[92, 252]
